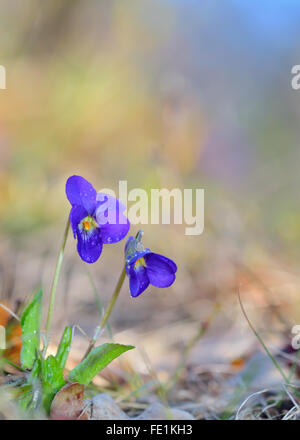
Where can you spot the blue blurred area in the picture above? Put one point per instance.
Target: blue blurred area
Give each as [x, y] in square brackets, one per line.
[238, 34]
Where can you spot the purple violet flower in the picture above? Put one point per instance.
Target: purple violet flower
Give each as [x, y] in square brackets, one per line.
[144, 267]
[96, 218]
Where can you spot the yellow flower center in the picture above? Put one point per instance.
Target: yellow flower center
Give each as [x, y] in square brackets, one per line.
[88, 224]
[140, 262]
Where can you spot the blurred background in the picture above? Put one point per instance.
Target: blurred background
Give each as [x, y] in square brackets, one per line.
[163, 94]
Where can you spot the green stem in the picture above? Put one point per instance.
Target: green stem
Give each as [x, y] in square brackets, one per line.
[285, 378]
[108, 312]
[55, 281]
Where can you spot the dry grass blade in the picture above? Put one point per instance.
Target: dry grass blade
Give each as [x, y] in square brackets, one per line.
[9, 311]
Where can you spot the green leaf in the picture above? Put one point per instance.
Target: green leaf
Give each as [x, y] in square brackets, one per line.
[25, 399]
[30, 323]
[96, 360]
[52, 380]
[36, 371]
[7, 361]
[64, 347]
[31, 389]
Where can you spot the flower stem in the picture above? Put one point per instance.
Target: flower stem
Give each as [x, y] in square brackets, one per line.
[55, 280]
[114, 297]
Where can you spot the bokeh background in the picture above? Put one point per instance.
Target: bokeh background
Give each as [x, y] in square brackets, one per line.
[163, 94]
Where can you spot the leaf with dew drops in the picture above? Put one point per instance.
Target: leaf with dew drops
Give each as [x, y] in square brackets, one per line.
[30, 324]
[96, 360]
[64, 347]
[52, 380]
